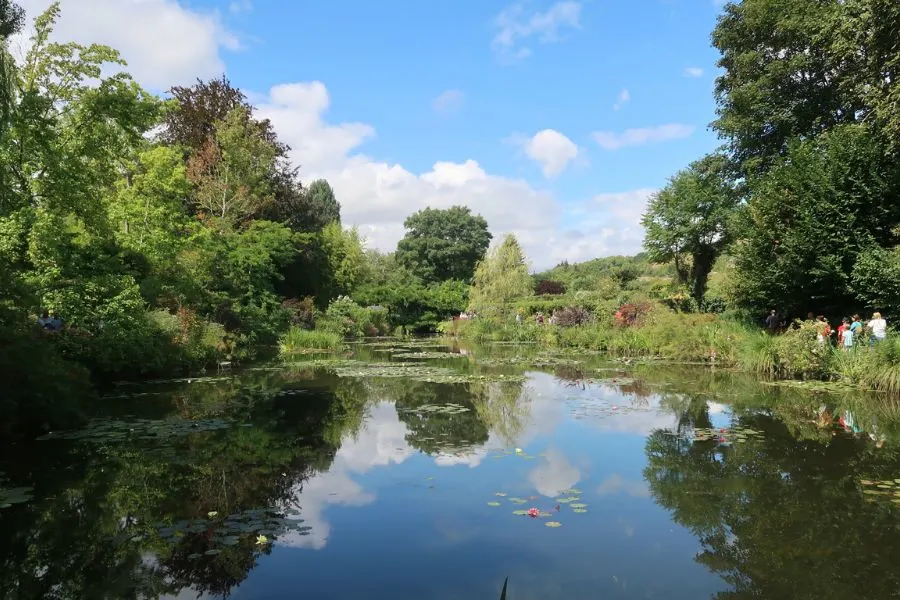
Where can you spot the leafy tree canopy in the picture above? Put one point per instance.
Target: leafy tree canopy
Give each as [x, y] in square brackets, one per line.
[443, 244]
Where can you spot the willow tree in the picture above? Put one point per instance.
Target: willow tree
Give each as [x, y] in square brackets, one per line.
[500, 278]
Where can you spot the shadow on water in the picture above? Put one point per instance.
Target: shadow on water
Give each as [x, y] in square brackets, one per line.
[405, 469]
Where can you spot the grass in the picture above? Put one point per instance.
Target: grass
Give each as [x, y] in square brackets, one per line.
[300, 341]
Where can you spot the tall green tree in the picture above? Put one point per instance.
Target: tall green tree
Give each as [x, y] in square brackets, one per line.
[690, 221]
[12, 17]
[443, 244]
[500, 278]
[809, 219]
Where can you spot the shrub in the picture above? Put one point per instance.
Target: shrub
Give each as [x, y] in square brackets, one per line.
[548, 287]
[302, 311]
[571, 316]
[348, 319]
[632, 314]
[800, 354]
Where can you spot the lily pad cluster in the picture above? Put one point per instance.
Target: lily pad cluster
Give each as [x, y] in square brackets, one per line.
[109, 430]
[450, 408]
[571, 501]
[587, 408]
[222, 531]
[726, 435]
[886, 490]
[423, 355]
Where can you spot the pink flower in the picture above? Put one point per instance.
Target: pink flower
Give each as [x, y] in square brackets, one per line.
[533, 512]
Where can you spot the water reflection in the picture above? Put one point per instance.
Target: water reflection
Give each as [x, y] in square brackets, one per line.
[360, 484]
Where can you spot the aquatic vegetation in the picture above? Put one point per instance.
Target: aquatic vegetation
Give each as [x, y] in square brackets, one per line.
[110, 430]
[302, 341]
[726, 435]
[427, 355]
[886, 490]
[493, 503]
[553, 524]
[436, 409]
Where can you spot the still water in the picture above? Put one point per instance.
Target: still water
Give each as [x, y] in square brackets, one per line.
[408, 470]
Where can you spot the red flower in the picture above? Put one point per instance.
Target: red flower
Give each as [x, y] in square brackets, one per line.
[533, 512]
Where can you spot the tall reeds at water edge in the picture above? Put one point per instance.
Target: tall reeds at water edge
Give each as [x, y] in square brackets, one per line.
[298, 341]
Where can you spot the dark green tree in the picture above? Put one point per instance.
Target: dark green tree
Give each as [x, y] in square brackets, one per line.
[689, 222]
[443, 244]
[811, 216]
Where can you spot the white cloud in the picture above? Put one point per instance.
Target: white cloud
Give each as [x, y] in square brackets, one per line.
[555, 475]
[552, 150]
[448, 102]
[165, 42]
[623, 98]
[240, 6]
[515, 27]
[610, 140]
[377, 196]
[693, 72]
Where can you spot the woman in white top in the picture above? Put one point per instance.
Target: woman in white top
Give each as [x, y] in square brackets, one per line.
[878, 327]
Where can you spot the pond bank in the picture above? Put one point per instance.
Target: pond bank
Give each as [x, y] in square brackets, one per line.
[709, 339]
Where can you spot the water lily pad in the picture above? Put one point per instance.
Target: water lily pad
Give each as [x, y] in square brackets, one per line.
[580, 510]
[571, 492]
[501, 494]
[520, 513]
[194, 556]
[493, 504]
[866, 482]
[578, 505]
[212, 552]
[517, 500]
[230, 540]
[553, 524]
[567, 500]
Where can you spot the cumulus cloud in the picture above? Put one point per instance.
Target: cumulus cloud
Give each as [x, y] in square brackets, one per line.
[610, 140]
[552, 150]
[448, 102]
[622, 99]
[555, 475]
[377, 196]
[165, 42]
[516, 27]
[693, 72]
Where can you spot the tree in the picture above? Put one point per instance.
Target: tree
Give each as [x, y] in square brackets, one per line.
[443, 244]
[12, 17]
[231, 173]
[809, 219]
[876, 278]
[780, 78]
[689, 222]
[322, 206]
[500, 278]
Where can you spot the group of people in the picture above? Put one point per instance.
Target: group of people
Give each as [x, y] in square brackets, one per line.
[49, 321]
[848, 333]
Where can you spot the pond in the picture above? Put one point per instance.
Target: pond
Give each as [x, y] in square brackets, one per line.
[424, 471]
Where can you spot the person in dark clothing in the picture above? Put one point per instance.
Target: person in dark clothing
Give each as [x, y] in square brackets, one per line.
[772, 321]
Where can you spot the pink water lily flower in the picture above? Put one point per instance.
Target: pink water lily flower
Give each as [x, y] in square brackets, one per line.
[533, 512]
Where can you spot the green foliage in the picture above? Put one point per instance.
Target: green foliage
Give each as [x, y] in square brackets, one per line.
[811, 216]
[500, 278]
[876, 278]
[346, 318]
[298, 340]
[443, 244]
[689, 222]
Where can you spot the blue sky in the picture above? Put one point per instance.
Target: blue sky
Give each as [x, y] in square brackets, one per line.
[555, 120]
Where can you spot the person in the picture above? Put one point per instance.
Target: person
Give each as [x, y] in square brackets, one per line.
[44, 320]
[878, 327]
[824, 330]
[856, 325]
[848, 334]
[844, 326]
[55, 322]
[518, 318]
[772, 321]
